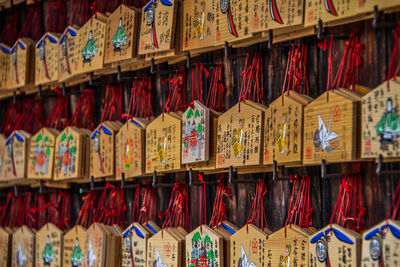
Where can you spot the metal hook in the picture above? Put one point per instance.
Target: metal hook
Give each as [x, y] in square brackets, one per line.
[14, 97]
[270, 39]
[41, 187]
[274, 170]
[123, 180]
[154, 179]
[91, 78]
[91, 182]
[119, 73]
[188, 60]
[15, 190]
[323, 168]
[39, 90]
[190, 176]
[230, 174]
[379, 166]
[226, 49]
[63, 89]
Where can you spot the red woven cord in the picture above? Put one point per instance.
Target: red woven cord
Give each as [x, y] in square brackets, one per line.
[88, 210]
[32, 26]
[136, 204]
[112, 103]
[392, 70]
[215, 98]
[58, 116]
[85, 112]
[393, 212]
[140, 104]
[147, 211]
[252, 80]
[80, 12]
[56, 16]
[9, 33]
[219, 208]
[176, 100]
[203, 202]
[257, 213]
[325, 45]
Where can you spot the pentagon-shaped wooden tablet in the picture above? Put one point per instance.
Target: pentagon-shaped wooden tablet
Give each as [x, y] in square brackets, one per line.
[333, 243]
[17, 155]
[46, 59]
[96, 245]
[74, 250]
[68, 54]
[380, 244]
[21, 64]
[134, 245]
[3, 158]
[49, 246]
[5, 58]
[164, 249]
[122, 31]
[226, 230]
[23, 247]
[5, 247]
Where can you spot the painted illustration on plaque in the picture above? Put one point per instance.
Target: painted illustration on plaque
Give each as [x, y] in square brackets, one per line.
[162, 147]
[159, 262]
[330, 7]
[96, 144]
[64, 52]
[65, 160]
[120, 37]
[237, 140]
[48, 253]
[21, 257]
[127, 156]
[14, 62]
[324, 138]
[76, 256]
[226, 9]
[90, 49]
[193, 134]
[285, 260]
[91, 257]
[42, 57]
[244, 261]
[281, 140]
[150, 17]
[41, 155]
[198, 21]
[388, 127]
[273, 8]
[202, 251]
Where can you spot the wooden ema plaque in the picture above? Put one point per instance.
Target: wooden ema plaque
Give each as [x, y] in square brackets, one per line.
[283, 140]
[102, 150]
[74, 248]
[380, 245]
[239, 138]
[226, 230]
[90, 44]
[381, 122]
[339, 246]
[49, 246]
[96, 245]
[23, 247]
[17, 155]
[204, 247]
[130, 149]
[157, 27]
[5, 247]
[198, 24]
[248, 247]
[163, 144]
[330, 129]
[164, 249]
[195, 133]
[274, 14]
[3, 158]
[5, 58]
[21, 64]
[71, 159]
[134, 246]
[287, 247]
[41, 154]
[122, 30]
[46, 59]
[67, 53]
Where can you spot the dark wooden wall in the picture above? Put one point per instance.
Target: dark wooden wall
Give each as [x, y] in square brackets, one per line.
[377, 190]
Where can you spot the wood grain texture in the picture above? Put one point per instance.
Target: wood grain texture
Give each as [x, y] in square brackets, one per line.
[49, 238]
[23, 247]
[74, 240]
[5, 247]
[46, 59]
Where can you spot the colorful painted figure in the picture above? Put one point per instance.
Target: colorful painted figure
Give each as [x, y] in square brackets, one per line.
[237, 140]
[150, 17]
[48, 252]
[162, 147]
[91, 257]
[202, 253]
[193, 134]
[120, 38]
[285, 260]
[281, 140]
[76, 256]
[90, 49]
[159, 262]
[323, 137]
[41, 155]
[127, 156]
[225, 6]
[198, 22]
[243, 260]
[42, 57]
[388, 127]
[21, 258]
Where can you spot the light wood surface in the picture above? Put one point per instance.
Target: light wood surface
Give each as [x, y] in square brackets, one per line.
[46, 59]
[75, 239]
[54, 236]
[23, 247]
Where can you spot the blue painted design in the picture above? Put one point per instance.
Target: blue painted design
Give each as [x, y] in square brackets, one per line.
[317, 237]
[51, 39]
[147, 7]
[395, 231]
[21, 45]
[71, 31]
[105, 130]
[5, 49]
[138, 232]
[151, 228]
[127, 232]
[372, 233]
[342, 237]
[166, 2]
[17, 136]
[136, 123]
[228, 228]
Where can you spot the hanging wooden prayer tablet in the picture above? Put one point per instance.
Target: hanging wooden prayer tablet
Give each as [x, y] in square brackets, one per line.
[96, 245]
[283, 134]
[164, 249]
[239, 139]
[23, 247]
[17, 154]
[381, 121]
[49, 245]
[204, 247]
[134, 246]
[274, 14]
[5, 247]
[122, 30]
[5, 58]
[151, 227]
[163, 144]
[330, 129]
[335, 246]
[74, 247]
[198, 24]
[3, 158]
[90, 44]
[130, 148]
[102, 150]
[67, 53]
[380, 244]
[287, 246]
[226, 230]
[195, 133]
[157, 27]
[41, 154]
[21, 64]
[248, 247]
[46, 59]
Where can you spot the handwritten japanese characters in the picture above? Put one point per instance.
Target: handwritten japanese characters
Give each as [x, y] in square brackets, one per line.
[163, 143]
[5, 58]
[195, 133]
[96, 245]
[134, 246]
[381, 121]
[46, 59]
[122, 29]
[23, 247]
[41, 154]
[157, 27]
[330, 130]
[21, 64]
[164, 249]
[74, 250]
[17, 155]
[239, 139]
[67, 54]
[49, 244]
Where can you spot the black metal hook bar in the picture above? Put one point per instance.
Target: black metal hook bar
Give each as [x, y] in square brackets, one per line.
[323, 168]
[63, 89]
[270, 39]
[188, 60]
[274, 170]
[321, 35]
[376, 23]
[14, 97]
[40, 91]
[379, 166]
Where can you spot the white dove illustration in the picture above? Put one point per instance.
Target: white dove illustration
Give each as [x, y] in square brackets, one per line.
[21, 258]
[244, 262]
[325, 135]
[91, 256]
[159, 262]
